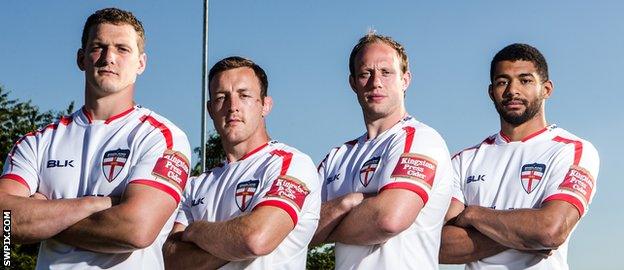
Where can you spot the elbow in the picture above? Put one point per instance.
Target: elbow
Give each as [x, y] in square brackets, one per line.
[551, 237]
[391, 225]
[140, 240]
[259, 244]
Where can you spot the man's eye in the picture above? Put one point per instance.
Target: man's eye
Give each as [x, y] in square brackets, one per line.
[364, 75]
[501, 83]
[526, 81]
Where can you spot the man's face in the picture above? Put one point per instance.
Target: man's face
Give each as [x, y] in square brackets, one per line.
[518, 92]
[236, 106]
[111, 58]
[378, 80]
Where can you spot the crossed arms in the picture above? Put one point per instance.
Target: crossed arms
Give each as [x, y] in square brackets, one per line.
[209, 245]
[91, 223]
[473, 232]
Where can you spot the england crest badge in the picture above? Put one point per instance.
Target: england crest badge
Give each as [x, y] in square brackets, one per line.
[368, 170]
[113, 162]
[531, 175]
[245, 192]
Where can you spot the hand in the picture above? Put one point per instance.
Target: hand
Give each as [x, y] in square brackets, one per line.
[350, 200]
[463, 219]
[39, 196]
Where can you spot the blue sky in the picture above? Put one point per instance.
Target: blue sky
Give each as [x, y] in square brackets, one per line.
[304, 47]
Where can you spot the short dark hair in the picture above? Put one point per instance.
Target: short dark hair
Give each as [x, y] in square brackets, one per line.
[233, 62]
[372, 37]
[520, 51]
[117, 17]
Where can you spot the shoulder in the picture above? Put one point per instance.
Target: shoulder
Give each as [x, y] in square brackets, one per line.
[472, 149]
[287, 152]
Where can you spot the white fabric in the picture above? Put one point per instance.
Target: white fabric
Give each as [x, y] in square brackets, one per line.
[66, 160]
[217, 195]
[495, 174]
[375, 163]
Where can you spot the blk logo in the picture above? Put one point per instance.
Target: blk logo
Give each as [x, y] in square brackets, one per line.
[475, 178]
[53, 163]
[197, 202]
[333, 178]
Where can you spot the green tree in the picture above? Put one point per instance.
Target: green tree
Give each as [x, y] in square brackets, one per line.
[319, 257]
[18, 118]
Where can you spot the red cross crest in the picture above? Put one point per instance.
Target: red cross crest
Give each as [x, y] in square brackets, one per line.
[113, 162]
[531, 175]
[368, 170]
[245, 192]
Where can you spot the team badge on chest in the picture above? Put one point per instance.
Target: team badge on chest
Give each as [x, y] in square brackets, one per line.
[245, 192]
[531, 175]
[113, 162]
[368, 170]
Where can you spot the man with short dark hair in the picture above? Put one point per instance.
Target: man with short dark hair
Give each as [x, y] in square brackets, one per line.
[385, 193]
[99, 187]
[260, 207]
[519, 194]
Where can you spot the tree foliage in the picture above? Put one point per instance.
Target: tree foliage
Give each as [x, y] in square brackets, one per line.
[18, 118]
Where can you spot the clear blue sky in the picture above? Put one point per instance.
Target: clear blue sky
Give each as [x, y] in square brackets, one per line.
[304, 47]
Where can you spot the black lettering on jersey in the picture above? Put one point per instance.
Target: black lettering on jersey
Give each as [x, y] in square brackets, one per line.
[197, 202]
[333, 178]
[53, 163]
[473, 178]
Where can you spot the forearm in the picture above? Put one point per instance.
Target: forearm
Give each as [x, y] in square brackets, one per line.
[36, 220]
[462, 245]
[520, 229]
[225, 240]
[332, 213]
[360, 226]
[185, 255]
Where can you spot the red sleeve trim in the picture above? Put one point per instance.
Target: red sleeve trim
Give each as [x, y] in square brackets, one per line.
[286, 158]
[17, 178]
[457, 200]
[282, 205]
[568, 198]
[409, 138]
[411, 187]
[578, 148]
[163, 129]
[177, 222]
[169, 190]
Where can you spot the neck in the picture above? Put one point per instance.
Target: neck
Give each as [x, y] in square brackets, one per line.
[519, 132]
[235, 152]
[376, 126]
[103, 107]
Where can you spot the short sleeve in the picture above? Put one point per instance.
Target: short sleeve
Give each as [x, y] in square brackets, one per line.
[21, 163]
[322, 172]
[292, 179]
[574, 175]
[163, 160]
[412, 161]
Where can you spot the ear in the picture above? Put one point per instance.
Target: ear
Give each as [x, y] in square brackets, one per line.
[407, 79]
[548, 87]
[352, 83]
[142, 63]
[80, 58]
[267, 106]
[490, 92]
[209, 108]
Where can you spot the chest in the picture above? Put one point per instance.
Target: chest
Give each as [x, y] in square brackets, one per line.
[230, 191]
[83, 161]
[507, 177]
[357, 169]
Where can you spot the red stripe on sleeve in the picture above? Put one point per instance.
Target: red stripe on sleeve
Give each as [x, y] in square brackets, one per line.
[568, 198]
[17, 178]
[578, 148]
[286, 158]
[411, 187]
[163, 129]
[409, 138]
[169, 190]
[282, 205]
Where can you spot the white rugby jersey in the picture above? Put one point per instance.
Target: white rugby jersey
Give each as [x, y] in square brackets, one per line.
[78, 156]
[550, 164]
[411, 156]
[274, 174]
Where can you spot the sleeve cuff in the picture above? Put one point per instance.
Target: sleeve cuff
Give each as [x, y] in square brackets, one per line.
[568, 198]
[169, 190]
[282, 205]
[17, 178]
[424, 195]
